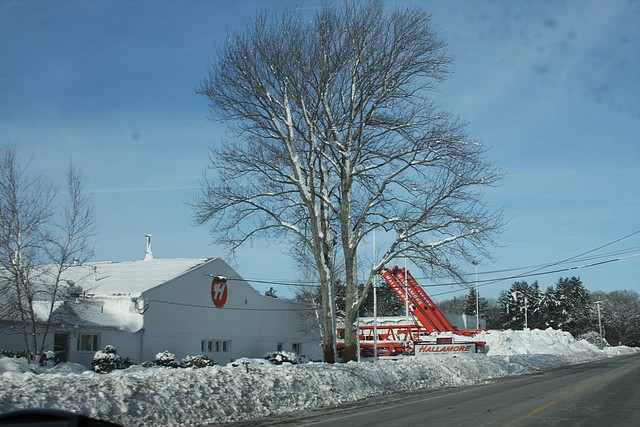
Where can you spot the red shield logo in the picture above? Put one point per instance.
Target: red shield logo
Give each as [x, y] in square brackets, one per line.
[219, 292]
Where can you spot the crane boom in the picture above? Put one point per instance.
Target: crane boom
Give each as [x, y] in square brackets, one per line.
[420, 305]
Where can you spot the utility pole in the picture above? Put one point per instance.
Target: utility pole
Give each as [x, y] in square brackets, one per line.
[475, 263]
[375, 304]
[375, 321]
[406, 290]
[332, 300]
[597, 303]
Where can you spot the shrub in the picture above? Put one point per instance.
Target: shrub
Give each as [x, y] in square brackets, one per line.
[16, 354]
[282, 357]
[47, 358]
[200, 361]
[594, 338]
[108, 360]
[166, 359]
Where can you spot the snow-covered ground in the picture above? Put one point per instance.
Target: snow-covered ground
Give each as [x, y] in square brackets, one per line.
[163, 396]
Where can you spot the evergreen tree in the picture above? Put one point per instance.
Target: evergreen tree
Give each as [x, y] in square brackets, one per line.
[492, 314]
[521, 306]
[549, 306]
[574, 310]
[470, 304]
[389, 303]
[454, 306]
[566, 306]
[537, 312]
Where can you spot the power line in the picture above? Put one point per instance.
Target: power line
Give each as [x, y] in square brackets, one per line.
[311, 308]
[487, 282]
[587, 252]
[575, 258]
[184, 304]
[275, 282]
[533, 269]
[312, 284]
[534, 272]
[605, 255]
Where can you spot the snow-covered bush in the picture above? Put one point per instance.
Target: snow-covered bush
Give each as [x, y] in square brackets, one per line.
[15, 354]
[592, 337]
[168, 360]
[200, 361]
[282, 357]
[108, 360]
[165, 359]
[47, 358]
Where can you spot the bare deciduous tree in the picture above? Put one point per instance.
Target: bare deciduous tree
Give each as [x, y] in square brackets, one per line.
[620, 316]
[336, 136]
[37, 244]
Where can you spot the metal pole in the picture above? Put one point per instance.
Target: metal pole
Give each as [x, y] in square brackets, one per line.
[375, 304]
[406, 291]
[358, 332]
[597, 303]
[375, 322]
[477, 298]
[526, 326]
[332, 306]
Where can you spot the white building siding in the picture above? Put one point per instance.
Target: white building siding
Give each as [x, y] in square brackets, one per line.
[181, 314]
[126, 344]
[125, 307]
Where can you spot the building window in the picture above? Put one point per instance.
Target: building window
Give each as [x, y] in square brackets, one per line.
[296, 347]
[215, 346]
[88, 342]
[206, 345]
[280, 346]
[61, 346]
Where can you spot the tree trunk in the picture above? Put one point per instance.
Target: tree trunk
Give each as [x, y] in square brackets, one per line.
[325, 263]
[328, 327]
[350, 337]
[352, 305]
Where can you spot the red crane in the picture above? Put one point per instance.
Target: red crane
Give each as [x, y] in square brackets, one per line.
[397, 339]
[420, 305]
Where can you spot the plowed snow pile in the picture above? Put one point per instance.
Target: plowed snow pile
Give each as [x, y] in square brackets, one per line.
[172, 397]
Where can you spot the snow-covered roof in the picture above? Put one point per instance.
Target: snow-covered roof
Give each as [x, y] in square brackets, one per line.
[95, 315]
[387, 320]
[129, 278]
[115, 312]
[41, 310]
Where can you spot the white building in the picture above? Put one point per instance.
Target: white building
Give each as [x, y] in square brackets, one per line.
[185, 306]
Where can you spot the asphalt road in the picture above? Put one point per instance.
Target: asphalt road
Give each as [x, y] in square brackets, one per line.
[601, 393]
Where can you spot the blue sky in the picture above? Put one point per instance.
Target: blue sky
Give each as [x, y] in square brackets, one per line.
[552, 87]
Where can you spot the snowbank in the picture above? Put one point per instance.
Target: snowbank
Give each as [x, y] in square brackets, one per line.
[255, 388]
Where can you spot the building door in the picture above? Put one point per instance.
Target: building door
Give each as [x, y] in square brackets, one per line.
[61, 347]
